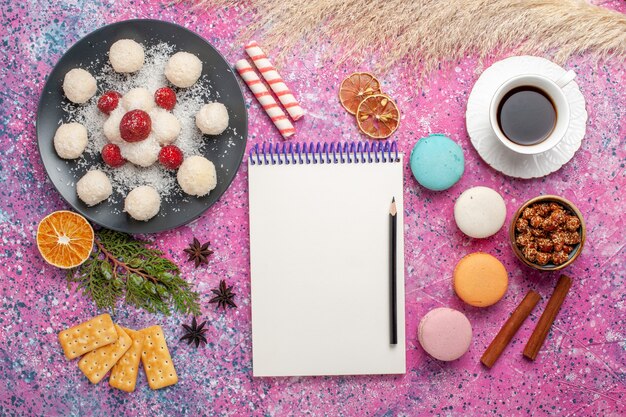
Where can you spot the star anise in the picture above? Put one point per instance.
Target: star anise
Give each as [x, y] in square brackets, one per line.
[195, 333]
[223, 296]
[199, 253]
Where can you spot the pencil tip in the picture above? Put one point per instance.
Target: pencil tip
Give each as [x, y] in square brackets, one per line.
[393, 199]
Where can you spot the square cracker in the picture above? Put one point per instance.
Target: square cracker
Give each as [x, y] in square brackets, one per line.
[156, 359]
[124, 372]
[87, 336]
[97, 363]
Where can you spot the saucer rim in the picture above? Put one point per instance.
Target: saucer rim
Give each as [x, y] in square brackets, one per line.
[475, 124]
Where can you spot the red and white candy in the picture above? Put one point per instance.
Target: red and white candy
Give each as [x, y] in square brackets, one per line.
[265, 98]
[274, 80]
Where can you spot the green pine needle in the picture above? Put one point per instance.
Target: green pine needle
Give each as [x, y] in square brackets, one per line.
[121, 267]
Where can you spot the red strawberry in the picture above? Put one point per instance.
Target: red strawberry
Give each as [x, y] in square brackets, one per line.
[135, 126]
[165, 97]
[112, 155]
[109, 101]
[170, 157]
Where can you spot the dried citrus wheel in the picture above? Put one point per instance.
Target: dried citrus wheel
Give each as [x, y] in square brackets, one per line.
[355, 88]
[64, 239]
[378, 116]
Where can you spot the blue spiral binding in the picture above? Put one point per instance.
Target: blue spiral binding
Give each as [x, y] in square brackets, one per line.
[323, 153]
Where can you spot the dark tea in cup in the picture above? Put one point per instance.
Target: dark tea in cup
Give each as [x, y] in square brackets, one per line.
[529, 114]
[526, 115]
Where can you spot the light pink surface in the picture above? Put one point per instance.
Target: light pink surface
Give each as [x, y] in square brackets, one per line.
[580, 371]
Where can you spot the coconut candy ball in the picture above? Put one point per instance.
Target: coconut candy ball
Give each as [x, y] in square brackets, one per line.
[111, 125]
[79, 85]
[138, 99]
[70, 140]
[183, 69]
[126, 55]
[94, 187]
[212, 118]
[197, 176]
[165, 126]
[142, 203]
[143, 153]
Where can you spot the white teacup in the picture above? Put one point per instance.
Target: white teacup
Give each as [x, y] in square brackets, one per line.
[554, 89]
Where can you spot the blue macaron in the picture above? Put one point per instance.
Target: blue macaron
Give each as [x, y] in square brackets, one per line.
[437, 162]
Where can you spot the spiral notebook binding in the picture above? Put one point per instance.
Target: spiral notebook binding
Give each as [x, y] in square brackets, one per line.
[323, 153]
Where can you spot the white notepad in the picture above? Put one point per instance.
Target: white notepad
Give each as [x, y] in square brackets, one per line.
[319, 254]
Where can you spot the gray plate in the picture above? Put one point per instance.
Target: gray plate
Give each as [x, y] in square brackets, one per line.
[64, 174]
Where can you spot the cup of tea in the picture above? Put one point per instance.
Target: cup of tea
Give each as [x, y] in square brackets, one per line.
[530, 113]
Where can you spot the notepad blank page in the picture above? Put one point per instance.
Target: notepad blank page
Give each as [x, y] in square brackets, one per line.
[319, 242]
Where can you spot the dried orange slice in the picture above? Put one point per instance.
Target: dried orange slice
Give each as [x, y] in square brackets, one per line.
[378, 116]
[64, 239]
[355, 88]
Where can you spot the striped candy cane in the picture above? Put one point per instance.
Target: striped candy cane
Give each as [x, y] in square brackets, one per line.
[274, 79]
[265, 98]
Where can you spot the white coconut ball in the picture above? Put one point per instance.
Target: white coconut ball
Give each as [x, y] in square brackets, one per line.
[126, 55]
[143, 153]
[183, 69]
[197, 176]
[212, 118]
[111, 125]
[94, 187]
[138, 99]
[142, 203]
[79, 85]
[165, 126]
[70, 140]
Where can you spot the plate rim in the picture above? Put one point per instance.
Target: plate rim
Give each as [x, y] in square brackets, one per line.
[170, 226]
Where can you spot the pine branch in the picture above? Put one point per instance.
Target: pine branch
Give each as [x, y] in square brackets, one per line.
[121, 267]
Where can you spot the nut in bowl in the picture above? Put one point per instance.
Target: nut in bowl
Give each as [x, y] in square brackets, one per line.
[547, 233]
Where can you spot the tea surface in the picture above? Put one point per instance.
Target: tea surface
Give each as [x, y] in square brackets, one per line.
[526, 115]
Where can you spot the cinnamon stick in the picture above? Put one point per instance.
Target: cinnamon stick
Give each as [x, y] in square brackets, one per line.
[547, 318]
[509, 329]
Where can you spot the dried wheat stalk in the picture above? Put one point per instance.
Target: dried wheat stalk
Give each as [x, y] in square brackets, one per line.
[429, 32]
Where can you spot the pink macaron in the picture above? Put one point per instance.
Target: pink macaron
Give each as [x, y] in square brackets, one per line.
[445, 334]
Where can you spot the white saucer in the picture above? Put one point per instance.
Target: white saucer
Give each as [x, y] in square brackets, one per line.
[494, 153]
